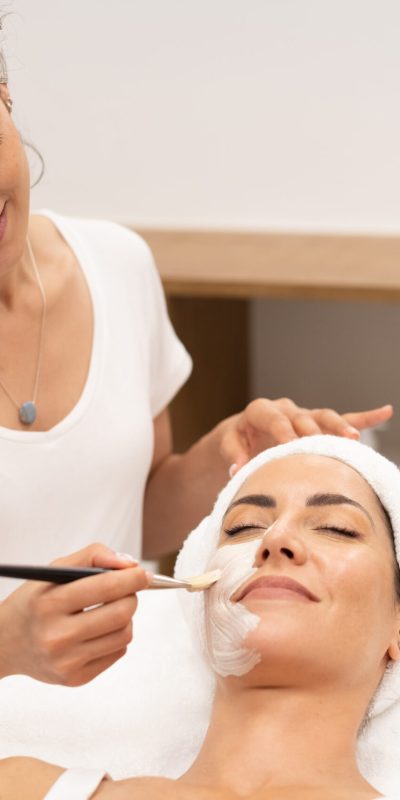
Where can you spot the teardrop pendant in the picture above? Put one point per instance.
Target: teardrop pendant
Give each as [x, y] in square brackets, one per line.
[27, 412]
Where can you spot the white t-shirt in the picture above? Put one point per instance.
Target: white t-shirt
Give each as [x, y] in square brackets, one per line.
[83, 480]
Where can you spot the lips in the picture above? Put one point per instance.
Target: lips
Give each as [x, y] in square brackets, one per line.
[3, 220]
[278, 586]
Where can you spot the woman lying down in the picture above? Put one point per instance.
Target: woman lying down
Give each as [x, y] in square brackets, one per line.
[302, 631]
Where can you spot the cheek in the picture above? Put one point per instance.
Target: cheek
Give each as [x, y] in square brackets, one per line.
[14, 164]
[361, 574]
[228, 624]
[361, 595]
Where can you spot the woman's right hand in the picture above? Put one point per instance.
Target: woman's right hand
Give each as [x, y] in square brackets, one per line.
[45, 631]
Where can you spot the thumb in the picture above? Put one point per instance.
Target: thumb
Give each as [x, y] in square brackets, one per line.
[234, 451]
[96, 555]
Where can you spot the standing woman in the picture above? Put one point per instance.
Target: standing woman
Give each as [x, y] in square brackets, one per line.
[88, 365]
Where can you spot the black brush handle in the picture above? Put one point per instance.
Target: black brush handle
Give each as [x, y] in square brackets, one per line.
[50, 574]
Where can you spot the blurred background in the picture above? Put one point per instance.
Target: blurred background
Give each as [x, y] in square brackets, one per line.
[238, 115]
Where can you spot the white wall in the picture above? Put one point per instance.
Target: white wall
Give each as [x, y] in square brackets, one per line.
[271, 113]
[240, 113]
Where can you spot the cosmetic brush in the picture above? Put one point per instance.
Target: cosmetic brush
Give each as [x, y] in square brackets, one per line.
[196, 584]
[67, 574]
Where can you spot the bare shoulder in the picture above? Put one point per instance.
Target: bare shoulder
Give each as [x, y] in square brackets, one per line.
[45, 236]
[165, 789]
[26, 777]
[316, 793]
[158, 789]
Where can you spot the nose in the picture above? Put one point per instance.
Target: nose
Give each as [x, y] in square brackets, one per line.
[280, 543]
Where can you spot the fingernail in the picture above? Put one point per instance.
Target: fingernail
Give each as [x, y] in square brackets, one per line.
[127, 557]
[232, 469]
[149, 576]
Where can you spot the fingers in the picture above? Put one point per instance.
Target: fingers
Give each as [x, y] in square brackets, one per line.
[261, 425]
[96, 555]
[87, 635]
[107, 645]
[105, 619]
[50, 636]
[70, 657]
[234, 450]
[273, 418]
[99, 589]
[68, 643]
[368, 419]
[304, 424]
[265, 423]
[281, 427]
[85, 674]
[330, 421]
[268, 422]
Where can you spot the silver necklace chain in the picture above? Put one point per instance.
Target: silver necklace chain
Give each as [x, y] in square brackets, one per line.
[27, 411]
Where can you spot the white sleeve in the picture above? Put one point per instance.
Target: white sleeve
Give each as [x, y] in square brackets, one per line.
[76, 784]
[170, 363]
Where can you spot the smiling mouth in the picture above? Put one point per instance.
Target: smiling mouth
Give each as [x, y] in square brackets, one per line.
[3, 220]
[276, 587]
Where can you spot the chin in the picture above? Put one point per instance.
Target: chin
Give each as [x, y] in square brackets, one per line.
[284, 650]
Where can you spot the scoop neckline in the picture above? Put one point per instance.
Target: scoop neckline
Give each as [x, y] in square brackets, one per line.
[88, 270]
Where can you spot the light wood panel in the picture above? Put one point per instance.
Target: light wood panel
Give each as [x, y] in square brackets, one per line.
[248, 265]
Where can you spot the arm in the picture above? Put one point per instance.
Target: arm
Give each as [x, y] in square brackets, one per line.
[181, 489]
[45, 631]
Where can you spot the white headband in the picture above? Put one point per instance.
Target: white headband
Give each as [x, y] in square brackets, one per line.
[379, 744]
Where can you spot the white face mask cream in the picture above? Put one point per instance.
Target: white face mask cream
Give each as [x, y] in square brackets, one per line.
[227, 623]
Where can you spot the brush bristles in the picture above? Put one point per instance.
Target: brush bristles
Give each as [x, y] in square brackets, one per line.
[200, 582]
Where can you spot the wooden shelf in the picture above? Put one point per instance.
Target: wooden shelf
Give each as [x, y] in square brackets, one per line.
[248, 265]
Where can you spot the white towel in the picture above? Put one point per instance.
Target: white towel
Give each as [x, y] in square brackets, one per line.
[146, 715]
[379, 743]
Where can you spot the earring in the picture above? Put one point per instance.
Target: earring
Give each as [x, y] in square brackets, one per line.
[8, 104]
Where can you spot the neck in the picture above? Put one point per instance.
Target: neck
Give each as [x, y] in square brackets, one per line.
[262, 738]
[15, 281]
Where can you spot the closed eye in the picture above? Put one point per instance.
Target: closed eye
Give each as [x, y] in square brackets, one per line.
[241, 528]
[350, 534]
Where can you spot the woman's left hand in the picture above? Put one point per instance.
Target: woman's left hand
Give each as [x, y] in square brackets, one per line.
[265, 423]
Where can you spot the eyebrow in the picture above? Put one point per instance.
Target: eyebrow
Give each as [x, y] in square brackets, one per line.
[324, 499]
[336, 500]
[260, 500]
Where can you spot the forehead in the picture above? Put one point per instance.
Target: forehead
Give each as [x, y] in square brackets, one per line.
[302, 475]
